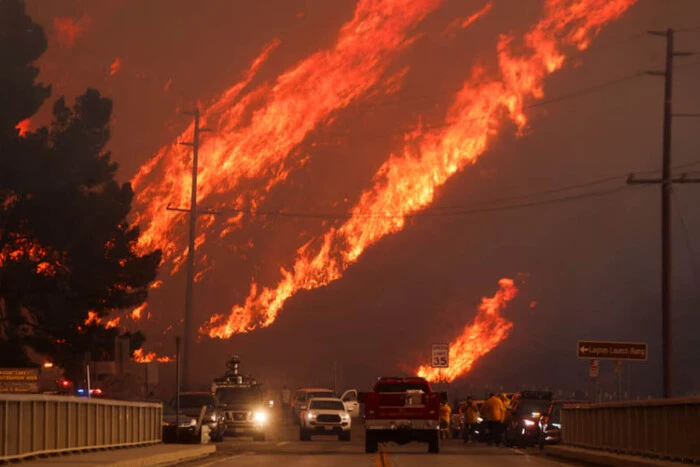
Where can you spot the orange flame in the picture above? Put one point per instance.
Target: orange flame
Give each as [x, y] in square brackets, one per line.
[408, 183]
[68, 29]
[284, 113]
[138, 311]
[140, 357]
[462, 23]
[92, 318]
[487, 330]
[486, 8]
[23, 127]
[112, 323]
[115, 66]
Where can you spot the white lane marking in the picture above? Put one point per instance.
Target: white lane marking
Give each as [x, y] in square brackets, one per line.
[282, 443]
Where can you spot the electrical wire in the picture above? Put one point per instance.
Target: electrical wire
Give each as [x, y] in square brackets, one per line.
[428, 212]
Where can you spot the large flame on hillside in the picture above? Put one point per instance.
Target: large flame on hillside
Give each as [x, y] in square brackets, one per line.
[406, 183]
[487, 330]
[254, 135]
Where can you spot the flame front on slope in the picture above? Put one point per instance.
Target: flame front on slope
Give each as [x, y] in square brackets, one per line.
[254, 134]
[405, 184]
[487, 330]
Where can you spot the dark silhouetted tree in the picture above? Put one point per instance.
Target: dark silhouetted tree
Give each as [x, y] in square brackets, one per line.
[66, 248]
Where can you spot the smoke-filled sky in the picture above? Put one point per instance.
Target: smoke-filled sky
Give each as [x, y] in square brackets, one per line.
[592, 264]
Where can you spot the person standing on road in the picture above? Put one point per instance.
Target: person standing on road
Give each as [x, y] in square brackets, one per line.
[493, 412]
[471, 416]
[445, 416]
[286, 398]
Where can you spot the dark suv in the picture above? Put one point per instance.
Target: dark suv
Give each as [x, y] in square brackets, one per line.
[523, 420]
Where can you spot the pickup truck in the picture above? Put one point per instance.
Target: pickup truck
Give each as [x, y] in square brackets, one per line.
[402, 410]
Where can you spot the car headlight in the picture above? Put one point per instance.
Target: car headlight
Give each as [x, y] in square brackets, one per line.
[557, 425]
[479, 419]
[193, 422]
[528, 422]
[345, 416]
[213, 417]
[310, 416]
[260, 417]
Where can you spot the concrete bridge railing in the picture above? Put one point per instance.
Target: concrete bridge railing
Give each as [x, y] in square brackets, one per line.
[32, 425]
[663, 428]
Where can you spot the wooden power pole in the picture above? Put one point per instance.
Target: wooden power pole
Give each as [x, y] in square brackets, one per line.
[666, 183]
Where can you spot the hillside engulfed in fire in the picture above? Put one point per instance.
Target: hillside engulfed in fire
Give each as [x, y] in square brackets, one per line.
[264, 127]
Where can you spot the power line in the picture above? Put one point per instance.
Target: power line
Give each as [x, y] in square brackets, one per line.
[542, 103]
[598, 181]
[428, 212]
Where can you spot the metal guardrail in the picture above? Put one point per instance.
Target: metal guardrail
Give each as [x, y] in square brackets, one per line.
[33, 425]
[663, 428]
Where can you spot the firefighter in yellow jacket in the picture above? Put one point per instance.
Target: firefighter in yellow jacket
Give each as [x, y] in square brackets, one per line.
[493, 412]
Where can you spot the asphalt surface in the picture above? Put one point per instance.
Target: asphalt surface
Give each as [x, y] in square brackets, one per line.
[282, 448]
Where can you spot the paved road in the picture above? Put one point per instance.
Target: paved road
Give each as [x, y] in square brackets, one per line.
[283, 449]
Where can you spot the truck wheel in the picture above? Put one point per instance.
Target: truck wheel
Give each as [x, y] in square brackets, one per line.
[344, 436]
[304, 435]
[434, 444]
[370, 443]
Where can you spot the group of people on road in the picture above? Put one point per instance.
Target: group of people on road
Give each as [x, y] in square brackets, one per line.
[493, 415]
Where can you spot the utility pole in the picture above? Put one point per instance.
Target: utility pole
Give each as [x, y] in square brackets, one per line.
[189, 330]
[666, 183]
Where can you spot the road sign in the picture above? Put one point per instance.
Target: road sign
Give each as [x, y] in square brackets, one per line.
[612, 350]
[441, 356]
[593, 369]
[19, 380]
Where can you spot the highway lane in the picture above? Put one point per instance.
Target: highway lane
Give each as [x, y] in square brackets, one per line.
[283, 448]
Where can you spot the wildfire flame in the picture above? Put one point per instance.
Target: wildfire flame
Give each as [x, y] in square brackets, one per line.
[137, 312]
[487, 330]
[140, 357]
[283, 114]
[115, 66]
[23, 127]
[407, 183]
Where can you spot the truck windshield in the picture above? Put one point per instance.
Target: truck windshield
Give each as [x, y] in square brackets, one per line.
[327, 405]
[232, 396]
[401, 387]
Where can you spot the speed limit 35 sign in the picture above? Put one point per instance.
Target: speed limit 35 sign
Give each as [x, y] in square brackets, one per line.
[440, 356]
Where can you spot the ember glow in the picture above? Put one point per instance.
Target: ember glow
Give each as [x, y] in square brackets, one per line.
[139, 356]
[68, 29]
[407, 182]
[115, 66]
[284, 113]
[137, 312]
[487, 330]
[23, 127]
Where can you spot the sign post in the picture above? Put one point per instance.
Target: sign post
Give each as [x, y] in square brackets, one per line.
[593, 372]
[618, 351]
[440, 356]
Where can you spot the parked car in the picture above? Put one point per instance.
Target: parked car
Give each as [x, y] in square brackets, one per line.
[177, 429]
[550, 423]
[302, 397]
[191, 404]
[325, 416]
[523, 421]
